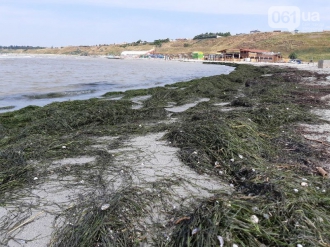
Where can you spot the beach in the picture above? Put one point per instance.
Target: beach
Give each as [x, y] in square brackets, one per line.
[217, 161]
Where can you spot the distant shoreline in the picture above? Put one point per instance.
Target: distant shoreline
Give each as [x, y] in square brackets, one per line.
[306, 45]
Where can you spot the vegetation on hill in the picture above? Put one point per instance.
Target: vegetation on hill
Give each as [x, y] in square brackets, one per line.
[293, 55]
[19, 47]
[211, 35]
[159, 42]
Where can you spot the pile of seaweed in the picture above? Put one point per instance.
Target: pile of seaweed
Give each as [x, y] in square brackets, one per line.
[279, 198]
[253, 143]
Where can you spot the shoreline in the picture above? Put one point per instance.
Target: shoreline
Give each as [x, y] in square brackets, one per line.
[305, 66]
[96, 150]
[59, 78]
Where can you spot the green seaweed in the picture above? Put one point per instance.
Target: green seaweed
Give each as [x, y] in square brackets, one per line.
[254, 143]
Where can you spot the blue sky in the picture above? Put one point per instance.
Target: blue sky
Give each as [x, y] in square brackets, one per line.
[90, 22]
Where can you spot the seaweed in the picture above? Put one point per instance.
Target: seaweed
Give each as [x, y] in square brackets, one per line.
[103, 220]
[251, 222]
[253, 144]
[246, 149]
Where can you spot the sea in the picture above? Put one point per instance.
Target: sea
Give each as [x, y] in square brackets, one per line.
[43, 79]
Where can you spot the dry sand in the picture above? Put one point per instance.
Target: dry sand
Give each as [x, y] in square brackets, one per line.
[313, 67]
[143, 159]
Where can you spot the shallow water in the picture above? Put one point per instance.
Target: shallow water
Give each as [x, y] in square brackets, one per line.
[42, 79]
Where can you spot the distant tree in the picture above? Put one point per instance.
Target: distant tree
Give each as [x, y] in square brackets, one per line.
[16, 47]
[293, 55]
[159, 42]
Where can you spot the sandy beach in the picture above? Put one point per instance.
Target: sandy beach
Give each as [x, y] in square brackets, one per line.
[147, 161]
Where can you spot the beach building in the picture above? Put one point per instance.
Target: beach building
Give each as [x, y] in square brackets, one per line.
[214, 57]
[136, 54]
[249, 55]
[197, 55]
[230, 55]
[255, 55]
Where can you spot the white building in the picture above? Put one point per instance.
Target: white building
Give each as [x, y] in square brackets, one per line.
[135, 54]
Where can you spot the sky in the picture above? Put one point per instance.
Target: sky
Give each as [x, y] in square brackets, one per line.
[91, 22]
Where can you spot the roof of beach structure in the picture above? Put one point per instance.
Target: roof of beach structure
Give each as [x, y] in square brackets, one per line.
[229, 51]
[136, 53]
[253, 50]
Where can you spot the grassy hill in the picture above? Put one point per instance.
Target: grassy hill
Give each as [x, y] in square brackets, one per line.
[306, 45]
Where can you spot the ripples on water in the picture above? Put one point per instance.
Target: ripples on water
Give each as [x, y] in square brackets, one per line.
[42, 79]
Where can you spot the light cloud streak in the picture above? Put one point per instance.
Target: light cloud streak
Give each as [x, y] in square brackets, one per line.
[250, 7]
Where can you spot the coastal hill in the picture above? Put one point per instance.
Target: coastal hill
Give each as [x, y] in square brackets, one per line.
[307, 46]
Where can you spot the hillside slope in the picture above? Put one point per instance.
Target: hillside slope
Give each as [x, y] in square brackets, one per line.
[308, 46]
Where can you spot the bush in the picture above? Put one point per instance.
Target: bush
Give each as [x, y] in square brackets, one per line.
[293, 55]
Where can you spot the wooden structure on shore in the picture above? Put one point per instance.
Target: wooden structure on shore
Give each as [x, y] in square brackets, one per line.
[260, 55]
[249, 55]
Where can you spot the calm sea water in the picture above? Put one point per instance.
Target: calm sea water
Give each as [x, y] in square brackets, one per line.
[42, 79]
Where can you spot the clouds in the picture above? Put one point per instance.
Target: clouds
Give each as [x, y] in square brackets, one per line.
[194, 6]
[250, 7]
[205, 7]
